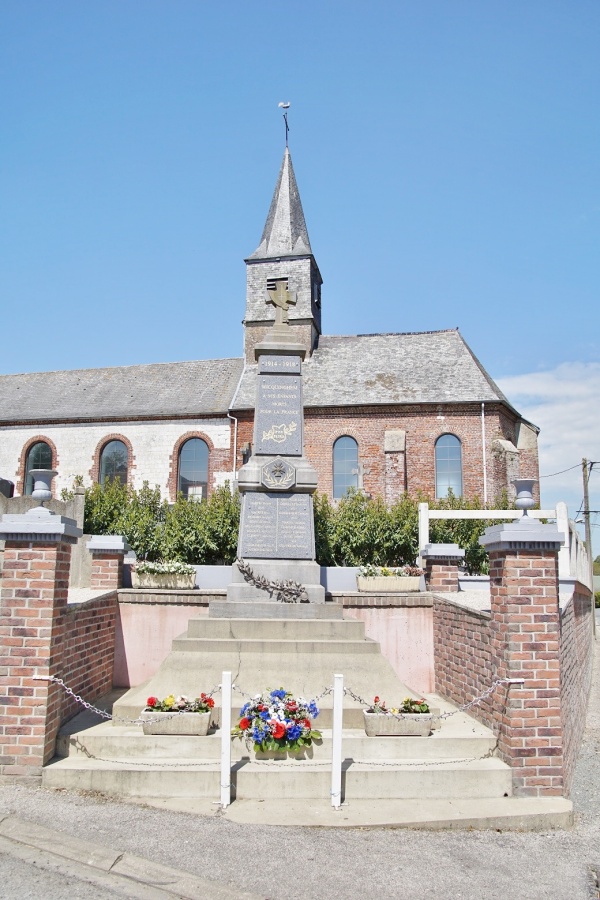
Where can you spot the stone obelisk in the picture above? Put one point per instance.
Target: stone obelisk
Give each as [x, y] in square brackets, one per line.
[276, 540]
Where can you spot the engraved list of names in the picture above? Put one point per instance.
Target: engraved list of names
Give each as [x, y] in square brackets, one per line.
[276, 526]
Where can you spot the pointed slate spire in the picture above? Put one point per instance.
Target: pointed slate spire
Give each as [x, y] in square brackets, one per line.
[285, 231]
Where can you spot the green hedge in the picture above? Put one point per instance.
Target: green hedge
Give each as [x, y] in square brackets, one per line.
[355, 531]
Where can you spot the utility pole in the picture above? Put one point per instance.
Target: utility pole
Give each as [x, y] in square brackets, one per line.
[588, 532]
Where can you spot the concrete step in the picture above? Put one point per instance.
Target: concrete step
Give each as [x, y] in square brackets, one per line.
[293, 779]
[129, 743]
[278, 629]
[499, 814]
[339, 646]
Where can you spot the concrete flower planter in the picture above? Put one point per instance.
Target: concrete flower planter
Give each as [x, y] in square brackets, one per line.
[166, 582]
[412, 724]
[379, 584]
[175, 723]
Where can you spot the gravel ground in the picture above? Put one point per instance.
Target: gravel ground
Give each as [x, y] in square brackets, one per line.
[311, 864]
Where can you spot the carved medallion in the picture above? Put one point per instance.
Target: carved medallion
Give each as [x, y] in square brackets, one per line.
[278, 475]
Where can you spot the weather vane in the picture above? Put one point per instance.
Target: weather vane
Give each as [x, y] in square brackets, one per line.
[285, 107]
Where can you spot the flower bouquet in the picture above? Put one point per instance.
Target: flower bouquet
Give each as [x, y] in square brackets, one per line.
[177, 715]
[277, 721]
[413, 717]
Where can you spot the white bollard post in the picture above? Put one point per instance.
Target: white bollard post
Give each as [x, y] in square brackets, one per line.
[336, 751]
[225, 739]
[423, 529]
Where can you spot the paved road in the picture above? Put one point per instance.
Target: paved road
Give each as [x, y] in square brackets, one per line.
[308, 864]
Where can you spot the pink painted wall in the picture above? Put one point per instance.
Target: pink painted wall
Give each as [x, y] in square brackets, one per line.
[145, 631]
[143, 638]
[405, 635]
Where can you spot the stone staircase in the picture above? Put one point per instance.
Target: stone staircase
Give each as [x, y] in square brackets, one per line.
[385, 780]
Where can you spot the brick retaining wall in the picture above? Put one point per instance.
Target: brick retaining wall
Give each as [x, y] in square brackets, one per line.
[462, 655]
[464, 668]
[576, 653]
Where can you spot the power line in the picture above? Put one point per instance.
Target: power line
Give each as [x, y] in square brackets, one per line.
[578, 466]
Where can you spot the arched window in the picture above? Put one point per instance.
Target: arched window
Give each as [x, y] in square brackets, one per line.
[39, 456]
[114, 462]
[345, 466]
[192, 472]
[448, 466]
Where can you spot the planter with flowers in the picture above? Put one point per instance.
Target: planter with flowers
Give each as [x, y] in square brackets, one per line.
[412, 717]
[177, 715]
[172, 576]
[278, 724]
[387, 579]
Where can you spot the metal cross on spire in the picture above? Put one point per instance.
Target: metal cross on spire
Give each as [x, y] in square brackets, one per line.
[285, 106]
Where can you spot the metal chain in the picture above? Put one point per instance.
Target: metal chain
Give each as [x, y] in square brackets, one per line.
[474, 702]
[106, 715]
[328, 690]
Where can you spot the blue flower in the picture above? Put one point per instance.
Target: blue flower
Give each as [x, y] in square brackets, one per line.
[264, 714]
[294, 731]
[313, 709]
[278, 695]
[257, 733]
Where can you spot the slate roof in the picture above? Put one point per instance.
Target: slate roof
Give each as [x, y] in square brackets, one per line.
[149, 391]
[285, 232]
[354, 370]
[377, 369]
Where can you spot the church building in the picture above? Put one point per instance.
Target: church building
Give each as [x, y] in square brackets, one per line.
[386, 413]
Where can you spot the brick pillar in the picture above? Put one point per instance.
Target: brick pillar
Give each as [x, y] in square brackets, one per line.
[441, 566]
[525, 630]
[107, 552]
[34, 592]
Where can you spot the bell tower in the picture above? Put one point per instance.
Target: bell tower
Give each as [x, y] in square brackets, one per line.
[283, 262]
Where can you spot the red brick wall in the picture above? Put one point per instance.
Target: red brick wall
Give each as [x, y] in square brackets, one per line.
[391, 473]
[423, 426]
[465, 666]
[525, 644]
[441, 575]
[89, 651]
[462, 655]
[107, 570]
[34, 596]
[575, 674]
[41, 635]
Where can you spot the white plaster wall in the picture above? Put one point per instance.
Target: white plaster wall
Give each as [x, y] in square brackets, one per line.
[152, 443]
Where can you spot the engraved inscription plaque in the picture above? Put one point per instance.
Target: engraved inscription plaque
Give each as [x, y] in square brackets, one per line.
[286, 365]
[278, 423]
[276, 526]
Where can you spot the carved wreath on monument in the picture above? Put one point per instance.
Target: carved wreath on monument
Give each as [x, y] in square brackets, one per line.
[286, 591]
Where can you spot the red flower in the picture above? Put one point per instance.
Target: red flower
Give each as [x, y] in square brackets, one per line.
[307, 723]
[279, 730]
[151, 701]
[244, 723]
[376, 700]
[210, 702]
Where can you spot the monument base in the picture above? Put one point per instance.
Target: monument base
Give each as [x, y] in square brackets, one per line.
[234, 609]
[308, 574]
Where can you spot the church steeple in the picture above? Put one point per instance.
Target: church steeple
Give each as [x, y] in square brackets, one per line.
[283, 255]
[285, 232]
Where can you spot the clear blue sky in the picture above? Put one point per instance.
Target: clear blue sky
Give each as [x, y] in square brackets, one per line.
[447, 155]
